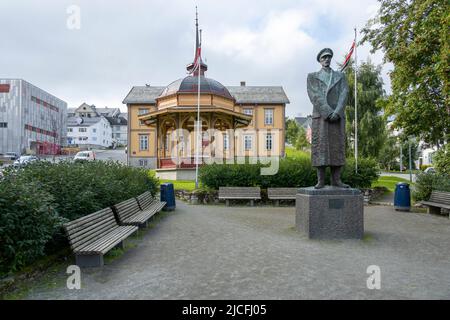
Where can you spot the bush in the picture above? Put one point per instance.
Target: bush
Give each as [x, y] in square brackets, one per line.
[292, 173]
[36, 199]
[28, 221]
[441, 160]
[368, 172]
[425, 166]
[427, 182]
[82, 188]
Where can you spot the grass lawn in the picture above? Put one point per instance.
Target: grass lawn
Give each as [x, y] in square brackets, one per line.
[188, 185]
[388, 182]
[293, 153]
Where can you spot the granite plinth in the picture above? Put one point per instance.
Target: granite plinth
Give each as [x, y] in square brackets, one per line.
[330, 213]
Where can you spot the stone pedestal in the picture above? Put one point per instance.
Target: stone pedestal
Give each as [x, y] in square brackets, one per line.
[330, 213]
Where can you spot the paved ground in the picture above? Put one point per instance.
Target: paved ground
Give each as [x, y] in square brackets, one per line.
[215, 252]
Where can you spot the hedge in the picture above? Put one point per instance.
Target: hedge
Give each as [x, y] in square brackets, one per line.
[296, 172]
[427, 182]
[37, 199]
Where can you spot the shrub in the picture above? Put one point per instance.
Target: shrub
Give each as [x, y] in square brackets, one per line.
[81, 188]
[28, 221]
[36, 199]
[441, 160]
[427, 182]
[292, 172]
[368, 172]
[425, 166]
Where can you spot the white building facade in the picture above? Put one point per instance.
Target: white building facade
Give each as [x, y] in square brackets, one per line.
[32, 121]
[115, 135]
[89, 132]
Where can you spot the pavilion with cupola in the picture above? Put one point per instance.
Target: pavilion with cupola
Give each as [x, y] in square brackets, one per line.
[237, 122]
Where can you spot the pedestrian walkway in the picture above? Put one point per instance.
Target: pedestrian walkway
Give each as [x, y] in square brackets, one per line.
[218, 252]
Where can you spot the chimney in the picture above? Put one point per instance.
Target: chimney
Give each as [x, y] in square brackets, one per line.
[242, 83]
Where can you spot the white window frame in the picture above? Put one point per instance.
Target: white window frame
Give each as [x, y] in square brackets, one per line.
[143, 142]
[247, 111]
[82, 130]
[268, 116]
[143, 111]
[226, 142]
[269, 142]
[248, 139]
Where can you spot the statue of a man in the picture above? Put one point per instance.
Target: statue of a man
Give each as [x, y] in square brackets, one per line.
[328, 90]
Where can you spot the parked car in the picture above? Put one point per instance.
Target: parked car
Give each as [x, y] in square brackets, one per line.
[430, 170]
[24, 160]
[85, 156]
[11, 156]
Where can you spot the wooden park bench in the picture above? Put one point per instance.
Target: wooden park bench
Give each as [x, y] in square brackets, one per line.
[278, 194]
[437, 201]
[148, 203]
[94, 235]
[129, 212]
[239, 193]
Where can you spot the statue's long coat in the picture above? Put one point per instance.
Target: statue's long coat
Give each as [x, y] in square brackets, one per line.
[328, 138]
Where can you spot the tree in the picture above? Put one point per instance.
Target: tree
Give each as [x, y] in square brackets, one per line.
[389, 154]
[441, 160]
[371, 123]
[292, 130]
[296, 135]
[405, 141]
[301, 142]
[414, 36]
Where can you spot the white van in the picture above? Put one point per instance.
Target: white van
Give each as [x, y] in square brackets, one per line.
[85, 156]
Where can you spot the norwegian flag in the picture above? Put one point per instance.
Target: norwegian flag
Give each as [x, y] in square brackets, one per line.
[198, 58]
[349, 55]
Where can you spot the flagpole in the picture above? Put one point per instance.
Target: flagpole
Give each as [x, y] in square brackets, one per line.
[198, 119]
[356, 106]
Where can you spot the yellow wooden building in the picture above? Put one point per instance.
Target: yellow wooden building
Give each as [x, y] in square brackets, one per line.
[239, 123]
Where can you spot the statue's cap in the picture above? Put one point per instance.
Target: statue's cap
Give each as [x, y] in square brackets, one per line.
[324, 52]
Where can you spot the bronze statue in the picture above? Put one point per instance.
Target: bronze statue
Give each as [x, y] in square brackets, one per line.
[328, 90]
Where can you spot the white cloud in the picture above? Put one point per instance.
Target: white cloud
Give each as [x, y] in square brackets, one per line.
[126, 43]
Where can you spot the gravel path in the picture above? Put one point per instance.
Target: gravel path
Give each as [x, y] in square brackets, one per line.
[218, 252]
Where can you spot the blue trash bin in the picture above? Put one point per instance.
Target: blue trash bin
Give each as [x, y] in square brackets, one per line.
[402, 198]
[168, 195]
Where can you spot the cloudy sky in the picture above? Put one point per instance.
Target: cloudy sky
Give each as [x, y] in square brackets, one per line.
[122, 43]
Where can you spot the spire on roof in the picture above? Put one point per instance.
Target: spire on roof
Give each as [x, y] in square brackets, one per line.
[203, 66]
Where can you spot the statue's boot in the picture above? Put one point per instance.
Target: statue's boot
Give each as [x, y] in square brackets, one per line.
[336, 178]
[320, 178]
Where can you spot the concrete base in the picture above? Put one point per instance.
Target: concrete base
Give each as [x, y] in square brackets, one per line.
[330, 213]
[175, 174]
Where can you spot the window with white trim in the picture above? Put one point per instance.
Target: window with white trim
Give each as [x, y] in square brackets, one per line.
[143, 142]
[143, 163]
[226, 142]
[269, 142]
[248, 111]
[268, 116]
[82, 130]
[248, 141]
[142, 111]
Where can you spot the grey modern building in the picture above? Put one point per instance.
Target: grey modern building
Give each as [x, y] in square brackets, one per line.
[32, 121]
